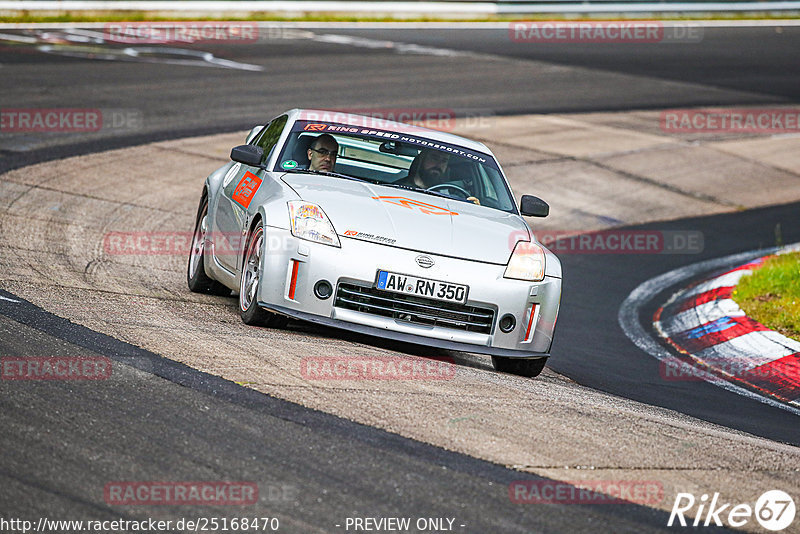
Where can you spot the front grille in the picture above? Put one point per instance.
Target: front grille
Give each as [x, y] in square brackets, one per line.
[414, 309]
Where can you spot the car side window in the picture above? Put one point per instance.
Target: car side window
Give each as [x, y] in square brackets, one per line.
[269, 136]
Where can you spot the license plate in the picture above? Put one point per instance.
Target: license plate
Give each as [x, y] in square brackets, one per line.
[422, 287]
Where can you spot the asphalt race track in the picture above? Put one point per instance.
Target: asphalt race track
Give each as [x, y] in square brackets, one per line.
[157, 419]
[455, 70]
[624, 373]
[313, 470]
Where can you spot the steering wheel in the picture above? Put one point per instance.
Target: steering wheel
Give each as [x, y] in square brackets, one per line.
[455, 187]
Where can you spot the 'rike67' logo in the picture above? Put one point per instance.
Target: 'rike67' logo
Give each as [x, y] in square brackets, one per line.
[246, 189]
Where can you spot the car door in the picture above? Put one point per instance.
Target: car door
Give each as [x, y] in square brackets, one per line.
[233, 209]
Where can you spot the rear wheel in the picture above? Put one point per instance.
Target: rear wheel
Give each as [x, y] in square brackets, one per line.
[196, 276]
[519, 366]
[253, 314]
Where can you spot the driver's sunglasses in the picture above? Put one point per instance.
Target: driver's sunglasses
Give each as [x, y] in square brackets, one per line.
[325, 152]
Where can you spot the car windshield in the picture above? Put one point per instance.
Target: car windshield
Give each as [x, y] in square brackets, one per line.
[400, 160]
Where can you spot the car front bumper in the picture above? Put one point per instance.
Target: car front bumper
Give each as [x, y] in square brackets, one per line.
[291, 268]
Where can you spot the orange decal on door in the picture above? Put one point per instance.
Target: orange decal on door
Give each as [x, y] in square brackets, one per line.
[246, 189]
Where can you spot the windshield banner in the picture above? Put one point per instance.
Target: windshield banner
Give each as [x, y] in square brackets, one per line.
[400, 137]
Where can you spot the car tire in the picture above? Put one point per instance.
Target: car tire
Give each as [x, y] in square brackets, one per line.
[250, 280]
[519, 366]
[196, 277]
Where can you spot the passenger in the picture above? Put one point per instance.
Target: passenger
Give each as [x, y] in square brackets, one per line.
[322, 153]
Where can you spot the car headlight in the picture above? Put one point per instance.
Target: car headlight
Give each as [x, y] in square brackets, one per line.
[526, 263]
[310, 222]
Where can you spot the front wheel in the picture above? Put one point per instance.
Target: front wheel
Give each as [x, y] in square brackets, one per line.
[253, 314]
[519, 366]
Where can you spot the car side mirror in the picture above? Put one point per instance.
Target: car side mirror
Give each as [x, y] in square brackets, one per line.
[248, 154]
[532, 206]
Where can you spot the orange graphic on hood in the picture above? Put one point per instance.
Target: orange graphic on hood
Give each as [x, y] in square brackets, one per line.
[428, 209]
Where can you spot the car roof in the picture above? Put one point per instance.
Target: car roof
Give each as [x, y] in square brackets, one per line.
[344, 117]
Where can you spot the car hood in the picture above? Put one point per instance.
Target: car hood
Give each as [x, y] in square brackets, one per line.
[416, 221]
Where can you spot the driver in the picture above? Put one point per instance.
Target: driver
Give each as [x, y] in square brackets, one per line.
[429, 168]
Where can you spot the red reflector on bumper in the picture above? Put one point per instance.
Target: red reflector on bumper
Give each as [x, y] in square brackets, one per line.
[293, 282]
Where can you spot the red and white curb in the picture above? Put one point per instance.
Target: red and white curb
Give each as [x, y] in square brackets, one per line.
[704, 323]
[719, 342]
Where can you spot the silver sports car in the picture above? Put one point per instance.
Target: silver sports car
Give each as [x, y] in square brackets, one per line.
[381, 228]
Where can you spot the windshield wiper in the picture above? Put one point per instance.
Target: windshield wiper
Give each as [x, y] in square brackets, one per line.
[327, 173]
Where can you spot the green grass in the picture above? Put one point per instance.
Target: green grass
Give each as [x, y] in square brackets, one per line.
[771, 295]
